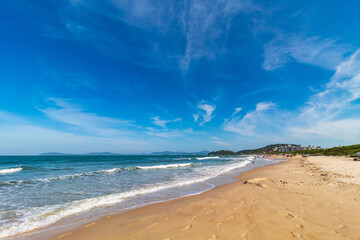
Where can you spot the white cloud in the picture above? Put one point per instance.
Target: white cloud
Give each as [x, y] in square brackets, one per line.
[170, 133]
[162, 123]
[203, 25]
[89, 122]
[24, 137]
[247, 125]
[264, 106]
[317, 51]
[206, 113]
[237, 110]
[221, 143]
[341, 131]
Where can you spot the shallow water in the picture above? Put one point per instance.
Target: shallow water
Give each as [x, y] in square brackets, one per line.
[36, 191]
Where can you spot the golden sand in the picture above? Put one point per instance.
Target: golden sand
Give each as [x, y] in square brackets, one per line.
[296, 199]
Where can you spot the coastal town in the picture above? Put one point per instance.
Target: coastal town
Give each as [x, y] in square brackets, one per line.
[293, 148]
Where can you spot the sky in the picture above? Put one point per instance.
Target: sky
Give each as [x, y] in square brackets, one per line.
[137, 76]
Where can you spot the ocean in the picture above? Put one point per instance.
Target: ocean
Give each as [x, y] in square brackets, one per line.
[38, 191]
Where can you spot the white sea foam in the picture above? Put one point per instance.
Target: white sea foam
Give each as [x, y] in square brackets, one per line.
[103, 171]
[10, 170]
[38, 217]
[76, 175]
[165, 166]
[203, 158]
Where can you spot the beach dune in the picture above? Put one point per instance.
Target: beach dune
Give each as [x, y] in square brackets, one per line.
[296, 199]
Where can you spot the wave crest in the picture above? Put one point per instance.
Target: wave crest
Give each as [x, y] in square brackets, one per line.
[10, 170]
[203, 158]
[165, 166]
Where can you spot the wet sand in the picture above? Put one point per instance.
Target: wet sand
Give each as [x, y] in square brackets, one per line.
[296, 199]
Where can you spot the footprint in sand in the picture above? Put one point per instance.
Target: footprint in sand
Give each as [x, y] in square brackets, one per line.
[187, 227]
[219, 224]
[179, 210]
[299, 225]
[244, 236]
[230, 217]
[213, 237]
[236, 209]
[341, 226]
[152, 225]
[193, 217]
[296, 235]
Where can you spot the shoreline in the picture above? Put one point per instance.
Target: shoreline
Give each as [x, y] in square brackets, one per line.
[236, 179]
[73, 222]
[294, 199]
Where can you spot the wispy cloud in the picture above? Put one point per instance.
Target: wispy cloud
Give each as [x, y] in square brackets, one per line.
[237, 110]
[218, 141]
[313, 50]
[27, 137]
[162, 123]
[247, 124]
[170, 133]
[206, 113]
[202, 27]
[333, 112]
[91, 123]
[205, 25]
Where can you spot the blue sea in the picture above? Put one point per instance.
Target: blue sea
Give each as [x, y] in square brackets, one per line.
[55, 191]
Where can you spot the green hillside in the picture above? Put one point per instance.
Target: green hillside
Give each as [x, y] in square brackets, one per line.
[265, 149]
[335, 151]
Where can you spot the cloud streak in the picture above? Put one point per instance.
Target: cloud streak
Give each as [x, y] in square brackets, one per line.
[332, 112]
[313, 50]
[163, 123]
[25, 137]
[206, 113]
[91, 123]
[248, 124]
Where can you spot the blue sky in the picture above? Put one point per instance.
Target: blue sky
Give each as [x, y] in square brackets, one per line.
[136, 76]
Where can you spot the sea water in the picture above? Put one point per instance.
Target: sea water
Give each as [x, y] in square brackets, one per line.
[36, 191]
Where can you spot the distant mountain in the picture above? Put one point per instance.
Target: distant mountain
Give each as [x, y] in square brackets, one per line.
[92, 153]
[103, 153]
[222, 152]
[54, 154]
[180, 153]
[114, 154]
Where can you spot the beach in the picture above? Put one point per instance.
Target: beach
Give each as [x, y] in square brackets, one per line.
[296, 199]
[40, 194]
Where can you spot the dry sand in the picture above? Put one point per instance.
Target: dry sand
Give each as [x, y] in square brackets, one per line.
[315, 198]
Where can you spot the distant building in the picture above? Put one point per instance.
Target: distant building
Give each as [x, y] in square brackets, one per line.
[293, 148]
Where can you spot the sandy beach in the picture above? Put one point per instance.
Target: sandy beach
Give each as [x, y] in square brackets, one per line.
[313, 198]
